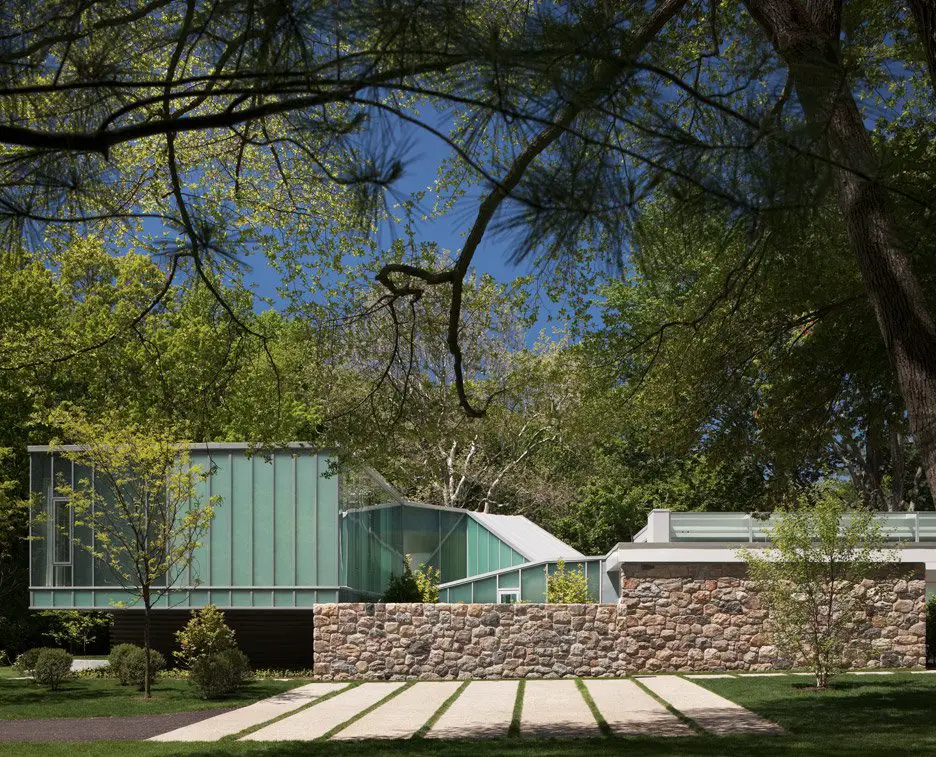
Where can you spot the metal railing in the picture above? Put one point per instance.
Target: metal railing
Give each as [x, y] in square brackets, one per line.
[754, 527]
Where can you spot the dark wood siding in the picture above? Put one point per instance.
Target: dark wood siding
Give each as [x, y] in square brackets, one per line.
[270, 638]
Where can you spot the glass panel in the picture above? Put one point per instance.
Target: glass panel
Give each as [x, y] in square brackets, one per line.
[509, 580]
[62, 532]
[533, 584]
[509, 597]
[485, 590]
[927, 526]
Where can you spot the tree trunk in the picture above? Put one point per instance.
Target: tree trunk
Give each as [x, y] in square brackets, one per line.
[808, 42]
[924, 13]
[146, 645]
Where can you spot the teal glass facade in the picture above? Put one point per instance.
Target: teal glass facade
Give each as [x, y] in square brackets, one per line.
[289, 531]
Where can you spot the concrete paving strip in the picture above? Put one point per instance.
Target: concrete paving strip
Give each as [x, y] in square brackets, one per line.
[556, 709]
[403, 715]
[705, 676]
[923, 672]
[319, 719]
[872, 673]
[482, 711]
[712, 712]
[629, 710]
[254, 714]
[763, 675]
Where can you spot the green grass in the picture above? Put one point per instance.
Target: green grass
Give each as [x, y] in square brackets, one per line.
[94, 697]
[860, 716]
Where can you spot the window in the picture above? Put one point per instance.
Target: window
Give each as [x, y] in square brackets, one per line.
[62, 535]
[508, 596]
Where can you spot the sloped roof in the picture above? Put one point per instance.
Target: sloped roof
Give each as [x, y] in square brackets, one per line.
[534, 543]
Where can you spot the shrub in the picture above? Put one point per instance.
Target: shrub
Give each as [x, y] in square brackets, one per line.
[116, 659]
[26, 662]
[220, 674]
[427, 579]
[567, 586]
[132, 670]
[53, 666]
[403, 588]
[206, 633]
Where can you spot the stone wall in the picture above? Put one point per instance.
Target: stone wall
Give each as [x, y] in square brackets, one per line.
[708, 617]
[669, 618]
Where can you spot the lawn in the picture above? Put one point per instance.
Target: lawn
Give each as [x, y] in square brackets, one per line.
[860, 716]
[94, 697]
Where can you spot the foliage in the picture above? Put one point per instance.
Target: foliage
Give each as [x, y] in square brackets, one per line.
[142, 506]
[220, 674]
[403, 587]
[567, 586]
[74, 628]
[809, 579]
[116, 662]
[25, 663]
[427, 580]
[206, 633]
[136, 665]
[53, 667]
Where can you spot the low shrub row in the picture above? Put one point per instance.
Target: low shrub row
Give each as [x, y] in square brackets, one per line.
[214, 665]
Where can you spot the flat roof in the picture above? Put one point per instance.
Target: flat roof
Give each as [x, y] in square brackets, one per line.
[207, 446]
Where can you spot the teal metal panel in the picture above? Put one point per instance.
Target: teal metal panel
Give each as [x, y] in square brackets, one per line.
[263, 518]
[241, 598]
[460, 593]
[307, 541]
[533, 584]
[41, 598]
[221, 529]
[283, 598]
[327, 536]
[241, 507]
[485, 589]
[509, 580]
[284, 520]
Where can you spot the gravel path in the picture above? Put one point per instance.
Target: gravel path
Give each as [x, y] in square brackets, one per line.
[132, 727]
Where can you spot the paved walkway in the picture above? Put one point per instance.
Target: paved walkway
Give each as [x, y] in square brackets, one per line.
[631, 711]
[235, 721]
[482, 711]
[393, 710]
[712, 712]
[555, 709]
[403, 715]
[319, 719]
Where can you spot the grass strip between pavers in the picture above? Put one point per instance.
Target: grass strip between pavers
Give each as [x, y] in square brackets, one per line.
[441, 711]
[514, 730]
[596, 713]
[684, 718]
[366, 711]
[278, 718]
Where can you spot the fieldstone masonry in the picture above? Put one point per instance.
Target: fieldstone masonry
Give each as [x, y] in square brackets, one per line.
[669, 618]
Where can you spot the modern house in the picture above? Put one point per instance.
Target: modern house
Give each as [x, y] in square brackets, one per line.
[291, 532]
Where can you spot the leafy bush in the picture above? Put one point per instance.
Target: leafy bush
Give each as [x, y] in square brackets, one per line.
[205, 634]
[26, 662]
[220, 674]
[132, 670]
[116, 659]
[403, 588]
[427, 579]
[53, 666]
[75, 628]
[567, 586]
[419, 586]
